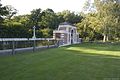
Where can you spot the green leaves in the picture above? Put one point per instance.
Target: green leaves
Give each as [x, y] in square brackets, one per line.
[71, 17]
[35, 17]
[105, 23]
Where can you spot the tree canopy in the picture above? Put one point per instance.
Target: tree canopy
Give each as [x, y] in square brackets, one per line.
[101, 22]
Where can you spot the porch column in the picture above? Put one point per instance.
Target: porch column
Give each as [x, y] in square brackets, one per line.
[68, 36]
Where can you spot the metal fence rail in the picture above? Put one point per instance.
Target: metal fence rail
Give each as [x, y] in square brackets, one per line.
[14, 45]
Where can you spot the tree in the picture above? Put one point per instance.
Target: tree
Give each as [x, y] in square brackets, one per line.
[11, 11]
[14, 30]
[89, 28]
[3, 12]
[67, 16]
[49, 19]
[23, 19]
[89, 7]
[46, 32]
[104, 24]
[108, 12]
[35, 17]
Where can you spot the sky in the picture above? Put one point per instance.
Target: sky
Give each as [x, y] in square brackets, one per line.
[25, 6]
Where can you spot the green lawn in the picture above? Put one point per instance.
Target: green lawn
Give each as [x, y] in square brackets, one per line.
[86, 61]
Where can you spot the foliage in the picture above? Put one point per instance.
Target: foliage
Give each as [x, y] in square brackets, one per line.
[89, 6]
[71, 17]
[101, 22]
[11, 11]
[89, 28]
[49, 19]
[14, 30]
[45, 21]
[3, 12]
[35, 17]
[109, 16]
[46, 32]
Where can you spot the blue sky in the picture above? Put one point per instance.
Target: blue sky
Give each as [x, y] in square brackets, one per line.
[25, 6]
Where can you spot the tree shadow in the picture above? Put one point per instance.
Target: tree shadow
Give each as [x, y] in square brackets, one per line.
[98, 66]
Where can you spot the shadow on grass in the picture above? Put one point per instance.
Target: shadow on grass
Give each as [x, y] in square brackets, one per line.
[75, 62]
[99, 63]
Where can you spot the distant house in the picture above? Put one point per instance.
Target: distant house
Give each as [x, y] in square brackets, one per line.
[67, 34]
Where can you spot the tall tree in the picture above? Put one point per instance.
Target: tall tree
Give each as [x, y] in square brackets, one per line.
[108, 12]
[89, 28]
[68, 16]
[11, 11]
[35, 17]
[89, 6]
[49, 19]
[3, 12]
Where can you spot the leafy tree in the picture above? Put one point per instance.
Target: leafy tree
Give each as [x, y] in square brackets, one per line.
[35, 17]
[89, 27]
[67, 16]
[3, 12]
[89, 7]
[14, 30]
[49, 19]
[46, 32]
[108, 12]
[11, 11]
[101, 24]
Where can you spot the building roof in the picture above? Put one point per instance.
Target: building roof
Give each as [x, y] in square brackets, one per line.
[65, 23]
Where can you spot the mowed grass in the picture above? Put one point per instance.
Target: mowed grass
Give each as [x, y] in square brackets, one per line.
[86, 61]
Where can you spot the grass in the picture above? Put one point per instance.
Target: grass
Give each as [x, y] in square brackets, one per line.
[86, 61]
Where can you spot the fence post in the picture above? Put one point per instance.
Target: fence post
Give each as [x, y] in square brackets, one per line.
[2, 45]
[58, 43]
[13, 47]
[34, 42]
[48, 43]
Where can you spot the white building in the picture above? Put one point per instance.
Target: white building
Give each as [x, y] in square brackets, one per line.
[67, 34]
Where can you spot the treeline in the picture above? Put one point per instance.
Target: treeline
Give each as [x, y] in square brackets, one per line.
[45, 21]
[101, 23]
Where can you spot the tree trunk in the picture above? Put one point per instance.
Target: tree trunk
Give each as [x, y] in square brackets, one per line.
[107, 38]
[104, 37]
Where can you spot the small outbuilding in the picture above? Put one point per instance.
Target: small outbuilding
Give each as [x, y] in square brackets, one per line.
[67, 34]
